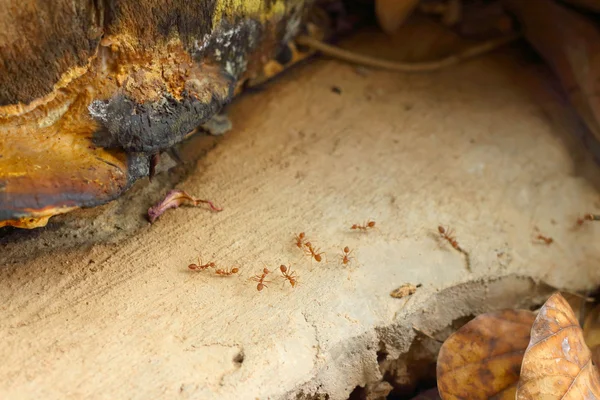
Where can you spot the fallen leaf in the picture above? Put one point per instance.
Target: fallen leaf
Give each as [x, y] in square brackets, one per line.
[580, 304]
[591, 332]
[405, 290]
[595, 354]
[174, 199]
[557, 363]
[591, 327]
[483, 358]
[391, 14]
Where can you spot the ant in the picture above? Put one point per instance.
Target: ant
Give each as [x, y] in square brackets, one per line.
[345, 256]
[447, 234]
[289, 275]
[545, 239]
[588, 217]
[363, 227]
[261, 279]
[227, 272]
[313, 252]
[200, 266]
[300, 239]
[541, 238]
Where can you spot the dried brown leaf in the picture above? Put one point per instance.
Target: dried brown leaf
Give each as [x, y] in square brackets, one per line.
[391, 14]
[405, 290]
[591, 327]
[483, 358]
[557, 363]
[580, 304]
[174, 199]
[596, 355]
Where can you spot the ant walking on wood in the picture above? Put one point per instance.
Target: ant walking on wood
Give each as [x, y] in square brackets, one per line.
[289, 275]
[261, 279]
[539, 238]
[300, 240]
[447, 234]
[363, 227]
[227, 272]
[200, 266]
[588, 217]
[313, 252]
[345, 256]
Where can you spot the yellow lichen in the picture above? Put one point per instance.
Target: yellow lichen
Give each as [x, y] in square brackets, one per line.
[244, 8]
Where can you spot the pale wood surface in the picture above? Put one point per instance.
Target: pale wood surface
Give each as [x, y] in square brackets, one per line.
[472, 147]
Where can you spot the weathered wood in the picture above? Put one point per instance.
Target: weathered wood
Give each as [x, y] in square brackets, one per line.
[469, 147]
[90, 90]
[42, 43]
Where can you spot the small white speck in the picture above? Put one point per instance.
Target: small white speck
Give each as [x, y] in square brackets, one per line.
[566, 348]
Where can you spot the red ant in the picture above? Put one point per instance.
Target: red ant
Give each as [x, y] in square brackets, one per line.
[588, 217]
[313, 252]
[261, 279]
[545, 239]
[200, 266]
[363, 227]
[289, 275]
[447, 235]
[300, 239]
[227, 272]
[345, 256]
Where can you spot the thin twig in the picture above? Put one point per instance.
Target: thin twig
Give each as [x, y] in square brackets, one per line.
[361, 59]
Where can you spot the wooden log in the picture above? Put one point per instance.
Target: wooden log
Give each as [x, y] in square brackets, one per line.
[91, 90]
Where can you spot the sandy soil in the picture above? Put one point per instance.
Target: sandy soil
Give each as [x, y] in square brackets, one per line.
[483, 148]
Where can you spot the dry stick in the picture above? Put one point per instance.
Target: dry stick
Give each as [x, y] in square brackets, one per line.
[427, 66]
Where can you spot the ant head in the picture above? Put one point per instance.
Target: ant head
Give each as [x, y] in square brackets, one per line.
[235, 270]
[301, 235]
[355, 226]
[441, 229]
[371, 224]
[346, 249]
[283, 268]
[266, 271]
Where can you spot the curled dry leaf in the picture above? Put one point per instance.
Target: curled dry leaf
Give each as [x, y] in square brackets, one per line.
[557, 363]
[405, 290]
[391, 14]
[483, 358]
[591, 332]
[174, 199]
